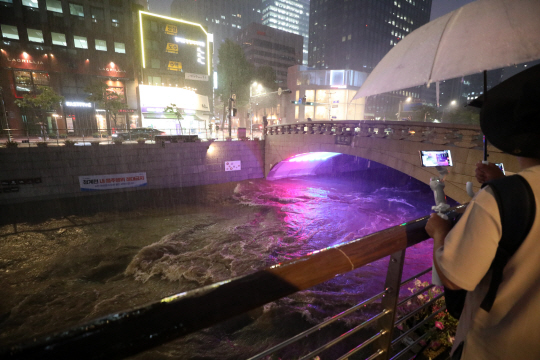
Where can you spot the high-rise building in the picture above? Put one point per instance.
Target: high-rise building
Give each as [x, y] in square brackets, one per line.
[221, 18]
[67, 46]
[288, 15]
[266, 46]
[357, 34]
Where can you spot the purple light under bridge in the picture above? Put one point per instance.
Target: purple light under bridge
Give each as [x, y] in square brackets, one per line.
[301, 165]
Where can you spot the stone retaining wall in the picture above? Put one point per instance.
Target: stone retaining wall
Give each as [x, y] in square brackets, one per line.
[172, 166]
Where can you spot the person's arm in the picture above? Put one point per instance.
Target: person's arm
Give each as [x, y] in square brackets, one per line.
[487, 172]
[438, 228]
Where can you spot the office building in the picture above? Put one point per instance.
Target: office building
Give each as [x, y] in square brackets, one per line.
[266, 46]
[220, 18]
[290, 16]
[67, 46]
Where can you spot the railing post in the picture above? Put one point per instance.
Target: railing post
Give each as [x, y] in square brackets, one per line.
[389, 302]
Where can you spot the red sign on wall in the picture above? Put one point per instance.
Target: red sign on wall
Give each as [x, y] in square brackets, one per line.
[23, 60]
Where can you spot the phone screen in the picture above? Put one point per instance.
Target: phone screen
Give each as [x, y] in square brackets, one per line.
[432, 158]
[501, 166]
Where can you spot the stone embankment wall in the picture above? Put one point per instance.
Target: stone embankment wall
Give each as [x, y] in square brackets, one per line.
[53, 172]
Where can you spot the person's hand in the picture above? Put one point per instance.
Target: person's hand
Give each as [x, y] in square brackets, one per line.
[487, 172]
[437, 227]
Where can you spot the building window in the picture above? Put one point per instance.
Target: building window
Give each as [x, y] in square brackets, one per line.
[154, 63]
[154, 80]
[58, 39]
[54, 6]
[30, 3]
[26, 81]
[101, 45]
[76, 9]
[7, 1]
[97, 14]
[9, 32]
[80, 42]
[120, 47]
[116, 18]
[153, 26]
[35, 36]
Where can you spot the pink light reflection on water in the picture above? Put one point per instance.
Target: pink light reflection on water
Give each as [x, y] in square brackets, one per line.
[312, 156]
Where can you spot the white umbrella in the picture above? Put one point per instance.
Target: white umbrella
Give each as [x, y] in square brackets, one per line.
[483, 35]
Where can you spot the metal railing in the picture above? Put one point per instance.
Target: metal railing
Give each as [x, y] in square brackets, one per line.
[127, 333]
[105, 136]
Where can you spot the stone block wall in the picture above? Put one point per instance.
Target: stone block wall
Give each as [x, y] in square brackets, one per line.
[174, 165]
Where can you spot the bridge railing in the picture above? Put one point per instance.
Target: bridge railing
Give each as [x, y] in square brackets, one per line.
[127, 333]
[460, 135]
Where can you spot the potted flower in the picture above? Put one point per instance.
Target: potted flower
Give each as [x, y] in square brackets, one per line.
[118, 141]
[141, 141]
[11, 144]
[94, 143]
[69, 143]
[42, 144]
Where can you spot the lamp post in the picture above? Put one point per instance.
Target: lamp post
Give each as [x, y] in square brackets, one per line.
[400, 110]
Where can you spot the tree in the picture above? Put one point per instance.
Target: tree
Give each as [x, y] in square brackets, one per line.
[105, 99]
[462, 115]
[426, 113]
[266, 76]
[39, 102]
[174, 110]
[233, 68]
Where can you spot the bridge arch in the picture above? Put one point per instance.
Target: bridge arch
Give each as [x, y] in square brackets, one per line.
[394, 144]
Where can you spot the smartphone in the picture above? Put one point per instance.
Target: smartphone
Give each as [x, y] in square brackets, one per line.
[431, 158]
[501, 166]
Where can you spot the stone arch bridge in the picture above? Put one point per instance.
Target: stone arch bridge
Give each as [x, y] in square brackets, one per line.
[395, 144]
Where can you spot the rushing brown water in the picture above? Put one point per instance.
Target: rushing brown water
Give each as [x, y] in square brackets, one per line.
[64, 271]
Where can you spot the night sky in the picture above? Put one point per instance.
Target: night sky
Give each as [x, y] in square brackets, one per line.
[439, 7]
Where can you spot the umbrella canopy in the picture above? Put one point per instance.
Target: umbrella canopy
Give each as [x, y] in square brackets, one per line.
[483, 35]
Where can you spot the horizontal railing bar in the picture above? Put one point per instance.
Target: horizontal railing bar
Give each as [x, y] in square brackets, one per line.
[399, 354]
[399, 338]
[415, 294]
[377, 353]
[415, 276]
[345, 335]
[363, 345]
[408, 316]
[317, 327]
[126, 333]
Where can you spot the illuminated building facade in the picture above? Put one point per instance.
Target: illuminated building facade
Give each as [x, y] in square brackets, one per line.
[290, 16]
[176, 63]
[221, 18]
[67, 45]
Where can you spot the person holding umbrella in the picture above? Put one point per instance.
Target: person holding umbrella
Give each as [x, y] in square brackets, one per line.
[508, 327]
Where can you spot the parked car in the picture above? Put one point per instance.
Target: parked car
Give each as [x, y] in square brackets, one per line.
[134, 134]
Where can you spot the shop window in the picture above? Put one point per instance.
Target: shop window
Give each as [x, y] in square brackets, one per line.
[30, 3]
[120, 47]
[58, 39]
[35, 35]
[54, 6]
[154, 63]
[9, 32]
[101, 45]
[27, 81]
[97, 14]
[76, 10]
[40, 78]
[80, 42]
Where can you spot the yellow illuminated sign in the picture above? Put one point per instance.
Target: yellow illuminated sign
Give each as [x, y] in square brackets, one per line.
[171, 29]
[209, 37]
[175, 66]
[172, 48]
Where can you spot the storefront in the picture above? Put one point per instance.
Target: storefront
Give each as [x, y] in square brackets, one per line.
[187, 111]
